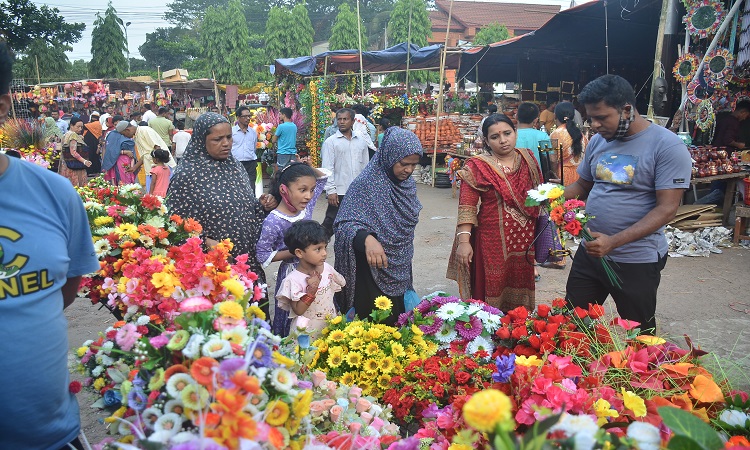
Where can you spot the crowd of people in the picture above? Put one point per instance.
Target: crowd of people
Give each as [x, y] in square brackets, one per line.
[373, 211]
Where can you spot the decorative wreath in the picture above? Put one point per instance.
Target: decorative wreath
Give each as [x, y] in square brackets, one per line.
[704, 117]
[704, 17]
[741, 95]
[698, 90]
[724, 100]
[685, 67]
[718, 67]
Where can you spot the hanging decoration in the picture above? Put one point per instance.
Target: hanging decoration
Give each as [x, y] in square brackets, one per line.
[724, 100]
[742, 65]
[704, 18]
[705, 116]
[698, 90]
[685, 67]
[318, 114]
[718, 67]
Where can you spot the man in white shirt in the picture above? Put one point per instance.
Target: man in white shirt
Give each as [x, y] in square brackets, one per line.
[345, 155]
[244, 140]
[147, 113]
[181, 139]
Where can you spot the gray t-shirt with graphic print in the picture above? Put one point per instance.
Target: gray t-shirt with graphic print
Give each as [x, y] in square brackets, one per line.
[626, 175]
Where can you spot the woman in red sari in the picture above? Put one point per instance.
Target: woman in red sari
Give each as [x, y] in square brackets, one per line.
[490, 260]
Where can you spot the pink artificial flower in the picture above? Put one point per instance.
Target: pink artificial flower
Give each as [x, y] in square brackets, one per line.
[336, 412]
[126, 336]
[196, 304]
[159, 341]
[363, 405]
[318, 377]
[355, 427]
[355, 393]
[377, 423]
[317, 408]
[223, 323]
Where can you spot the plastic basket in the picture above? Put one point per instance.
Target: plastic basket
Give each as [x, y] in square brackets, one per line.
[747, 191]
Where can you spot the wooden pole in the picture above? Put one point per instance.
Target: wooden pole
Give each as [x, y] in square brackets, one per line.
[216, 91]
[408, 50]
[657, 55]
[440, 94]
[325, 67]
[359, 39]
[38, 78]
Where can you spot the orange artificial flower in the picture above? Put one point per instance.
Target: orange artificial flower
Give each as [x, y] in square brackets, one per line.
[118, 324]
[177, 368]
[202, 371]
[557, 214]
[737, 441]
[705, 390]
[192, 225]
[176, 219]
[246, 382]
[275, 437]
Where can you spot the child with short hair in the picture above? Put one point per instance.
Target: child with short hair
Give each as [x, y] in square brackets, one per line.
[159, 173]
[307, 292]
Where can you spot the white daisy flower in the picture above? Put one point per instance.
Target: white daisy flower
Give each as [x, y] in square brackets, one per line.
[446, 334]
[450, 311]
[129, 211]
[216, 348]
[270, 336]
[107, 347]
[147, 241]
[473, 308]
[163, 208]
[164, 241]
[193, 347]
[159, 251]
[646, 435]
[150, 415]
[143, 320]
[182, 437]
[97, 371]
[125, 425]
[482, 315]
[238, 335]
[177, 383]
[572, 425]
[169, 422]
[155, 221]
[282, 379]
[492, 323]
[174, 406]
[479, 343]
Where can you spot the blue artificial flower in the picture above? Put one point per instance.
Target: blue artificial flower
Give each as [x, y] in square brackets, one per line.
[261, 323]
[112, 397]
[506, 365]
[304, 341]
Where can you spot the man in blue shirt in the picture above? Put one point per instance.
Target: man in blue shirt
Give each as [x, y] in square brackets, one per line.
[244, 140]
[286, 138]
[528, 136]
[61, 124]
[45, 248]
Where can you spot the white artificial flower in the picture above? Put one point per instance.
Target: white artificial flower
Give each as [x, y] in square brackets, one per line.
[150, 415]
[107, 347]
[162, 209]
[492, 323]
[177, 383]
[155, 221]
[216, 348]
[161, 436]
[170, 405]
[147, 241]
[479, 343]
[580, 216]
[282, 374]
[450, 311]
[125, 425]
[129, 211]
[270, 336]
[580, 427]
[169, 422]
[473, 308]
[193, 347]
[143, 320]
[482, 315]
[102, 247]
[733, 417]
[536, 195]
[446, 334]
[104, 360]
[88, 343]
[182, 437]
[97, 371]
[646, 435]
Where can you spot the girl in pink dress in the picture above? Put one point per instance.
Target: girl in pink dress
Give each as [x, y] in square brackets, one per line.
[160, 173]
[307, 292]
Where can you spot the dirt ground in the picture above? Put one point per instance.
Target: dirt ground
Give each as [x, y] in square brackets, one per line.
[704, 298]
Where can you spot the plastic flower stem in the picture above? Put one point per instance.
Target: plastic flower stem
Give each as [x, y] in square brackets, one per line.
[612, 276]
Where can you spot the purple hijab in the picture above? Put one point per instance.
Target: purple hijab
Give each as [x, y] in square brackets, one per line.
[386, 207]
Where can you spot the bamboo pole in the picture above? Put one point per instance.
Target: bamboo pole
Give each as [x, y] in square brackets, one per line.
[408, 49]
[38, 78]
[359, 39]
[216, 91]
[440, 94]
[657, 55]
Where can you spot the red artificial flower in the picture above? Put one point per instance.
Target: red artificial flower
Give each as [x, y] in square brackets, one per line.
[74, 387]
[596, 311]
[558, 302]
[462, 377]
[150, 202]
[557, 214]
[543, 310]
[539, 326]
[573, 227]
[535, 342]
[444, 377]
[518, 313]
[625, 324]
[519, 332]
[580, 312]
[503, 333]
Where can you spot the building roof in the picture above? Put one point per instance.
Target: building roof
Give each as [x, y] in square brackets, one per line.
[480, 14]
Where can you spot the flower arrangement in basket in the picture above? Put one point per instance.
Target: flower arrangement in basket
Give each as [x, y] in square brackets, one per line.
[31, 140]
[465, 326]
[569, 215]
[368, 353]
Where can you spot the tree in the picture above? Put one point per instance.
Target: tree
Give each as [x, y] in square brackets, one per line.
[344, 32]
[79, 70]
[398, 32]
[108, 46]
[277, 33]
[224, 39]
[289, 33]
[52, 62]
[21, 22]
[302, 29]
[170, 47]
[490, 34]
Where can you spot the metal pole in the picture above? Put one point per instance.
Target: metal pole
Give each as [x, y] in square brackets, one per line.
[408, 50]
[657, 55]
[359, 39]
[440, 94]
[606, 35]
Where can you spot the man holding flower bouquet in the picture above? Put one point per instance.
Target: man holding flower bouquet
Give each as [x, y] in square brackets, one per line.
[633, 176]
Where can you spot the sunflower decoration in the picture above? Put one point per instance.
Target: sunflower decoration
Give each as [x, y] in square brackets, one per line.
[718, 67]
[705, 116]
[704, 17]
[685, 68]
[698, 90]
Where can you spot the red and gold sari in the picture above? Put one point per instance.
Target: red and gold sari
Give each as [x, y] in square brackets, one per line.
[502, 272]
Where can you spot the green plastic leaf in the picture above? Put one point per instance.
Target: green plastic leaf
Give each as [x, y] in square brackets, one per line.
[684, 424]
[683, 443]
[535, 437]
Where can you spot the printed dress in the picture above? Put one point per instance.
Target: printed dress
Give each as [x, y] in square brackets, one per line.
[272, 241]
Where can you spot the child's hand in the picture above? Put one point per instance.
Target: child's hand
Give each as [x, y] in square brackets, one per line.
[313, 281]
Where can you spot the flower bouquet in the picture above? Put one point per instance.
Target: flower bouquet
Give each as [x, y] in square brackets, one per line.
[455, 324]
[369, 354]
[570, 216]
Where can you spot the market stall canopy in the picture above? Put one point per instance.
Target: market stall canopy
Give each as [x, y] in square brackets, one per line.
[576, 34]
[204, 84]
[390, 59]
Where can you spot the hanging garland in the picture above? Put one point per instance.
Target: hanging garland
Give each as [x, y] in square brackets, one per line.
[718, 67]
[685, 67]
[704, 116]
[704, 17]
[317, 119]
[698, 91]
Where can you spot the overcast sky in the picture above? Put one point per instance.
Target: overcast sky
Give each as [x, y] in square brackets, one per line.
[145, 16]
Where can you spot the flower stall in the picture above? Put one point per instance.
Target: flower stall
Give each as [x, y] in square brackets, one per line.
[32, 141]
[192, 362]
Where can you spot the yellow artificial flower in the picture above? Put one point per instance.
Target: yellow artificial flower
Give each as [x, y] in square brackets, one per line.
[384, 381]
[255, 311]
[487, 409]
[234, 287]
[347, 379]
[415, 329]
[282, 360]
[375, 333]
[321, 345]
[529, 361]
[371, 366]
[116, 415]
[396, 335]
[103, 220]
[231, 309]
[555, 193]
[301, 404]
[277, 412]
[164, 282]
[603, 410]
[324, 331]
[634, 403]
[355, 330]
[81, 351]
[397, 350]
[356, 344]
[99, 383]
[127, 229]
[460, 447]
[386, 364]
[650, 340]
[372, 348]
[337, 336]
[354, 359]
[383, 303]
[336, 320]
[335, 359]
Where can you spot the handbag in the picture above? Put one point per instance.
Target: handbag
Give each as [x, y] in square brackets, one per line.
[546, 240]
[70, 161]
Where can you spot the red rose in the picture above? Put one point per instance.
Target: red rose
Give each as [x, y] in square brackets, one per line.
[519, 333]
[111, 334]
[558, 319]
[543, 310]
[558, 302]
[444, 377]
[580, 312]
[552, 329]
[595, 311]
[573, 227]
[438, 390]
[535, 342]
[519, 313]
[547, 345]
[74, 387]
[503, 333]
[540, 326]
[462, 377]
[142, 329]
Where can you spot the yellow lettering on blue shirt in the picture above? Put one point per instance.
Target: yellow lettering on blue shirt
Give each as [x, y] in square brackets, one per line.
[25, 284]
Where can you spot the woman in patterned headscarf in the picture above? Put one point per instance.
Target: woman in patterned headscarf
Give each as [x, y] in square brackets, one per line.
[375, 227]
[211, 187]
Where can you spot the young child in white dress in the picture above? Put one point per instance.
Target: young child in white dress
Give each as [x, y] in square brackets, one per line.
[307, 292]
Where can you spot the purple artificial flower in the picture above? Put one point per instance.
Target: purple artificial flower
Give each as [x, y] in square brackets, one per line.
[440, 301]
[492, 310]
[424, 306]
[506, 365]
[199, 443]
[137, 399]
[260, 323]
[471, 329]
[404, 318]
[431, 412]
[307, 385]
[231, 365]
[437, 323]
[158, 341]
[569, 216]
[410, 443]
[261, 356]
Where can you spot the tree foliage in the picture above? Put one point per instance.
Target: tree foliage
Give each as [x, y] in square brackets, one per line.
[302, 28]
[224, 39]
[79, 70]
[344, 32]
[398, 32]
[490, 34]
[52, 62]
[289, 33]
[170, 48]
[22, 22]
[108, 46]
[277, 35]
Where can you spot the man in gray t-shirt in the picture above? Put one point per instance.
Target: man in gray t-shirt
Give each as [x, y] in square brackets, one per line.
[633, 177]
